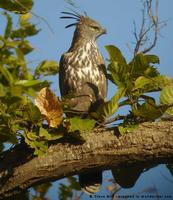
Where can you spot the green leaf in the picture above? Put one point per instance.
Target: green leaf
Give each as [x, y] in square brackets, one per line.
[166, 98]
[14, 126]
[22, 6]
[109, 108]
[8, 100]
[119, 74]
[25, 47]
[47, 67]
[29, 30]
[22, 62]
[33, 140]
[41, 147]
[15, 91]
[28, 83]
[8, 28]
[23, 20]
[152, 59]
[115, 55]
[11, 43]
[6, 74]
[49, 136]
[127, 128]
[2, 90]
[142, 81]
[138, 65]
[7, 136]
[44, 133]
[162, 81]
[149, 110]
[30, 87]
[32, 136]
[82, 125]
[148, 84]
[31, 113]
[151, 72]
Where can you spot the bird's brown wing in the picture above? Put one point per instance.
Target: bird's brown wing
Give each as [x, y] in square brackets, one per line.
[72, 86]
[84, 79]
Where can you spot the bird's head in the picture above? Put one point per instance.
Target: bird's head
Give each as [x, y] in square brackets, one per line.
[85, 27]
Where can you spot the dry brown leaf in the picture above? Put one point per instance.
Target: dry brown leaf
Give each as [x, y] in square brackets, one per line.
[49, 106]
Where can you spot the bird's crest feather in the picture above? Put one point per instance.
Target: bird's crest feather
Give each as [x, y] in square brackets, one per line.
[73, 15]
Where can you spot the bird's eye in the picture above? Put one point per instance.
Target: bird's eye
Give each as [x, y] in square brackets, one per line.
[95, 27]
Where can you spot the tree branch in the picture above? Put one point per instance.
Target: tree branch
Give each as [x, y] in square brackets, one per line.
[142, 39]
[151, 142]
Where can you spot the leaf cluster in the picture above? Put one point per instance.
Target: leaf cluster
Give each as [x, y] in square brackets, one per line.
[136, 83]
[15, 6]
[19, 117]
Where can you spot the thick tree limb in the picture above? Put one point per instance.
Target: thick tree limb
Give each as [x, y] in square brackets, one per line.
[151, 142]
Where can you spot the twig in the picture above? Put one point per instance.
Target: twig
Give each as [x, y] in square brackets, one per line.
[154, 26]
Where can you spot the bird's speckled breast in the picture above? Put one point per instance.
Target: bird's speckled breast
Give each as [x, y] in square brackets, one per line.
[85, 65]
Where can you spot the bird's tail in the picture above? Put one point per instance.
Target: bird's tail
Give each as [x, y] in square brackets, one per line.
[90, 182]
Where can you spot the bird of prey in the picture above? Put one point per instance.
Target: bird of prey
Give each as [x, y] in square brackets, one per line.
[82, 75]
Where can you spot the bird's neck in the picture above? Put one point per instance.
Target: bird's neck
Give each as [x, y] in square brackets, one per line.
[81, 40]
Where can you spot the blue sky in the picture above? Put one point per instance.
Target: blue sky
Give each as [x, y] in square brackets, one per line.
[117, 17]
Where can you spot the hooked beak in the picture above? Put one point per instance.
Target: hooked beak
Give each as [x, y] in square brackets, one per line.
[104, 31]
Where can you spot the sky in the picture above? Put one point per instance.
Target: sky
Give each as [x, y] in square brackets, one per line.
[117, 17]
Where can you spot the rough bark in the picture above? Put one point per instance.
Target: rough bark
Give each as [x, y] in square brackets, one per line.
[103, 149]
